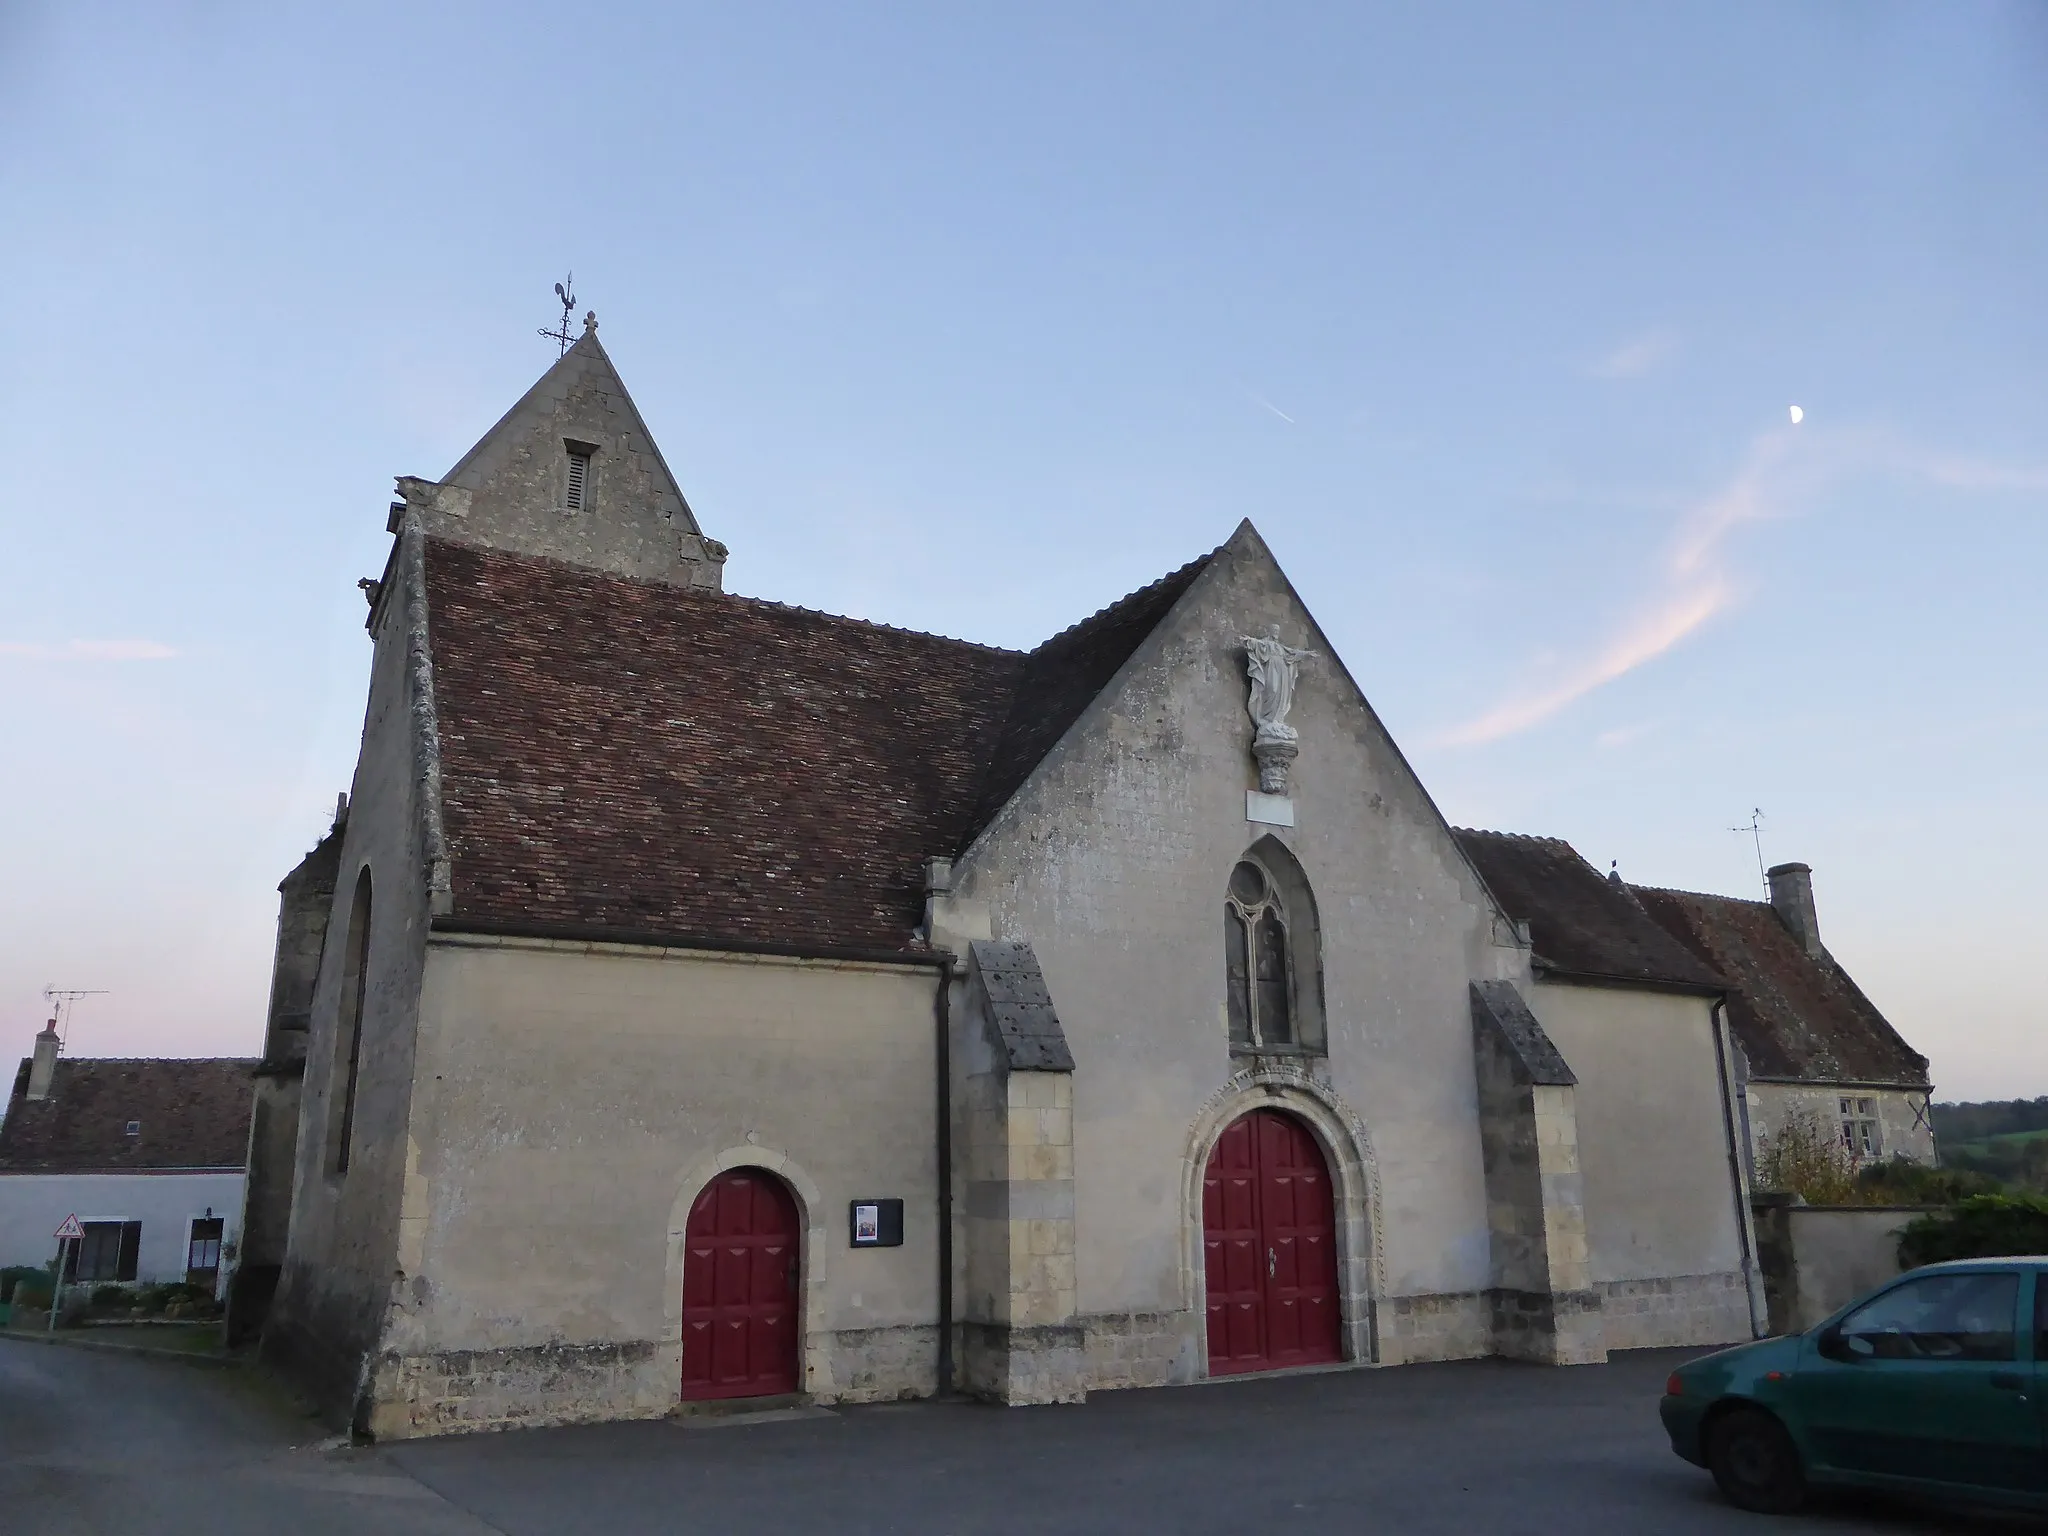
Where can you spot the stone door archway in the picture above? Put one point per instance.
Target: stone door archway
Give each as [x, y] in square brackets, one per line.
[1354, 1186]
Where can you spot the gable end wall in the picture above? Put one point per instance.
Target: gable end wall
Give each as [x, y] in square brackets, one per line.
[1111, 861]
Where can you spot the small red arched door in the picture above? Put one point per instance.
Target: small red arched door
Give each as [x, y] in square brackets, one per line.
[1269, 1248]
[740, 1288]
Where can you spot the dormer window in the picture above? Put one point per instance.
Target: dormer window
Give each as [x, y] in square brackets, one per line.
[576, 491]
[134, 1128]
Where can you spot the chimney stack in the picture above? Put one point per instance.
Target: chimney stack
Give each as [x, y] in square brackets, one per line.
[43, 1066]
[1792, 895]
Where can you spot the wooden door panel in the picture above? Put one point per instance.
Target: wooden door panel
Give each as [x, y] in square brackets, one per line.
[1269, 1248]
[740, 1289]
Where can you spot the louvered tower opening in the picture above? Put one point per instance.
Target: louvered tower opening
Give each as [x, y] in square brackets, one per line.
[579, 481]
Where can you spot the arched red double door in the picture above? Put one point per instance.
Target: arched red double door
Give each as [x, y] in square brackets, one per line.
[1269, 1248]
[741, 1254]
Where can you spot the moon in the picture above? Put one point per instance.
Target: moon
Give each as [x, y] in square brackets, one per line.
[1797, 415]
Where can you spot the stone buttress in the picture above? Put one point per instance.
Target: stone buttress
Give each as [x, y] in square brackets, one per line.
[1541, 1298]
[1021, 1338]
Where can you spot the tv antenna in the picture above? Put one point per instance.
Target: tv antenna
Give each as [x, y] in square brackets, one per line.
[1755, 829]
[566, 292]
[63, 1003]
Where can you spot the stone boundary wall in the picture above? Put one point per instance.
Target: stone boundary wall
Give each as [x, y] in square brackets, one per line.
[1817, 1259]
[1675, 1310]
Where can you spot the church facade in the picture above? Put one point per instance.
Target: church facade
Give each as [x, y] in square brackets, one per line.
[722, 1000]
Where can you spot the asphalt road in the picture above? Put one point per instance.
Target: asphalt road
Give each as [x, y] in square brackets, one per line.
[94, 1443]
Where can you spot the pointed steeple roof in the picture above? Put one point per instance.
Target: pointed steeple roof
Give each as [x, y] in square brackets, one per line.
[572, 472]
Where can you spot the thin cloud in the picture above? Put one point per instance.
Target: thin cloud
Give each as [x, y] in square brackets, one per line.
[1636, 357]
[1974, 475]
[1696, 588]
[88, 650]
[1269, 405]
[1783, 468]
[1647, 638]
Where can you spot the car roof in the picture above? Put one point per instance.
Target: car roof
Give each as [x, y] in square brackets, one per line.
[1999, 1260]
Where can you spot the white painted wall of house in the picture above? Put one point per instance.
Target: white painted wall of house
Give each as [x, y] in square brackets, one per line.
[33, 1204]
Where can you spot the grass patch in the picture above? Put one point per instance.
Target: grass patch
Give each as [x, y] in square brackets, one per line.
[1982, 1147]
[185, 1338]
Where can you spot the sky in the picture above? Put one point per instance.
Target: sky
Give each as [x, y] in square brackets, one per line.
[972, 318]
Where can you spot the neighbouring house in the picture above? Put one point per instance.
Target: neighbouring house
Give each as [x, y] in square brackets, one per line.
[718, 999]
[147, 1154]
[1811, 1040]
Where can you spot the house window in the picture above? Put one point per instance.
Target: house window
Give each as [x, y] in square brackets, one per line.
[202, 1255]
[107, 1251]
[1859, 1127]
[134, 1128]
[1257, 965]
[577, 488]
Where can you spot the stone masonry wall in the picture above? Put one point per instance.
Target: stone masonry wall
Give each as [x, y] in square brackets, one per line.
[1140, 1349]
[1454, 1325]
[1675, 1311]
[464, 1391]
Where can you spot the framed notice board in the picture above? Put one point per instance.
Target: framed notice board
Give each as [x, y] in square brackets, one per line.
[873, 1222]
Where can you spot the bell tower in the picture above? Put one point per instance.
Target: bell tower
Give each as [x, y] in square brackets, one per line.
[571, 472]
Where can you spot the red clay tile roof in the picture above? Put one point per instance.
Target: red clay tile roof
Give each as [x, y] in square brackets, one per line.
[1582, 923]
[191, 1113]
[1795, 1016]
[1062, 677]
[627, 757]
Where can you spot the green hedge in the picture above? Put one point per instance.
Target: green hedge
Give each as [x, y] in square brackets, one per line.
[1981, 1227]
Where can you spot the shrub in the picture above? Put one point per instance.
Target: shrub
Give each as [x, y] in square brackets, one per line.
[112, 1296]
[33, 1295]
[16, 1274]
[1905, 1182]
[1805, 1157]
[1980, 1227]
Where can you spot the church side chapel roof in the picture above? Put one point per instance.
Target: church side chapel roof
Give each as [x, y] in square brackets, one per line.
[1582, 923]
[189, 1113]
[1797, 1016]
[633, 758]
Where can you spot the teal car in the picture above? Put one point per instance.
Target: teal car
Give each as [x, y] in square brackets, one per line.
[1932, 1384]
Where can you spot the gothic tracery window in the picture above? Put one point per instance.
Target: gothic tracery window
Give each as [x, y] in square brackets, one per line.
[1257, 963]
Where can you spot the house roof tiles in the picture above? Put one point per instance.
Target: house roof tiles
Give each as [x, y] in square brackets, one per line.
[189, 1113]
[1581, 922]
[1797, 1016]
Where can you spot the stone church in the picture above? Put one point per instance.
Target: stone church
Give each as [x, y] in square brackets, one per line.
[705, 998]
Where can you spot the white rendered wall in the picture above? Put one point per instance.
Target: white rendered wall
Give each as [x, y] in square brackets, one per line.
[33, 1204]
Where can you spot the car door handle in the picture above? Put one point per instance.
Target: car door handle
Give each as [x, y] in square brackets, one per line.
[2008, 1381]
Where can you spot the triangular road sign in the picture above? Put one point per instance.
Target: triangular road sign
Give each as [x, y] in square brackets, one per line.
[71, 1228]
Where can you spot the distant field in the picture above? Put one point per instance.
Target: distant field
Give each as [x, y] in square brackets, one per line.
[1983, 1147]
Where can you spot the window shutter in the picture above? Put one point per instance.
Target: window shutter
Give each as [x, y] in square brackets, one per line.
[579, 480]
[131, 1249]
